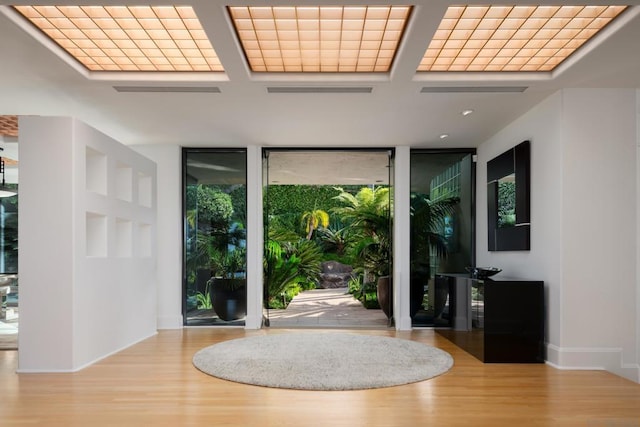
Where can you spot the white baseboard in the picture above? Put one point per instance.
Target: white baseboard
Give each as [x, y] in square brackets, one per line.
[81, 367]
[403, 323]
[170, 322]
[596, 359]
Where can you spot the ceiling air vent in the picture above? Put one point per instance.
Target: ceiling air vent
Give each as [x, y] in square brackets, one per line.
[168, 89]
[319, 89]
[473, 89]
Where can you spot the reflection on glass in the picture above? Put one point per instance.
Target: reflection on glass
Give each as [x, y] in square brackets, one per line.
[507, 201]
[215, 237]
[9, 234]
[441, 230]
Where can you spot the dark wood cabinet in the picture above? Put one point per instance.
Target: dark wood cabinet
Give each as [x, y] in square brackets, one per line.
[507, 320]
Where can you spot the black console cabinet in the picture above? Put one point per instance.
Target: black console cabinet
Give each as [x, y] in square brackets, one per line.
[507, 320]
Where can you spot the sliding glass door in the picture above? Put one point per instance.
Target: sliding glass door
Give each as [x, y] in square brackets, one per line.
[214, 257]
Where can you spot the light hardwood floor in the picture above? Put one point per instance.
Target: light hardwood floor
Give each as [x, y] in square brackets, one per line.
[154, 384]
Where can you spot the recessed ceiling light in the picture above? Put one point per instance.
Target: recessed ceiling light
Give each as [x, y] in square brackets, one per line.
[512, 38]
[444, 136]
[320, 39]
[466, 112]
[128, 38]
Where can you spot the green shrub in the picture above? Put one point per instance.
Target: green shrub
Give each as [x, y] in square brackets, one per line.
[282, 301]
[370, 300]
[355, 285]
[289, 263]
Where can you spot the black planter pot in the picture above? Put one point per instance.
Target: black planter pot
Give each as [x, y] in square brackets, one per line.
[416, 295]
[385, 296]
[229, 298]
[384, 291]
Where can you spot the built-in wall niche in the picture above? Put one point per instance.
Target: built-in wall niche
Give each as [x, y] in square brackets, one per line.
[124, 237]
[96, 235]
[144, 190]
[144, 240]
[124, 182]
[96, 171]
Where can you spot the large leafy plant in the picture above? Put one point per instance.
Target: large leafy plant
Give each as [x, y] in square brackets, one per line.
[289, 261]
[368, 215]
[427, 225]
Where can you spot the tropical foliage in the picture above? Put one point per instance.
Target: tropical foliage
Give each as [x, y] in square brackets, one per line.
[211, 207]
[368, 215]
[215, 240]
[427, 236]
[289, 262]
[335, 241]
[506, 203]
[365, 237]
[313, 220]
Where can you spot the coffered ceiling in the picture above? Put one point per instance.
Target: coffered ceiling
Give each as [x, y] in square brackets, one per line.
[212, 80]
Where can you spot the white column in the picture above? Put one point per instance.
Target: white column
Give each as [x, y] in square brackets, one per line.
[401, 238]
[255, 238]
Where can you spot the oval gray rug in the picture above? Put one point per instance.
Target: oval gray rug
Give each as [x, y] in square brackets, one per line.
[322, 361]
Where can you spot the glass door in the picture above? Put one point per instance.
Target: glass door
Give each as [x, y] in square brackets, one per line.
[214, 256]
[442, 230]
[268, 257]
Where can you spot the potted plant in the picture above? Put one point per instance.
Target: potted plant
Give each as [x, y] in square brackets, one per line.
[228, 284]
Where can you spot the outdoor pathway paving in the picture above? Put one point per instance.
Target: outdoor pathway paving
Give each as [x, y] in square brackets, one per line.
[327, 308]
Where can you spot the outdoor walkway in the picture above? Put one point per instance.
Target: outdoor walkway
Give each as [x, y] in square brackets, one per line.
[327, 308]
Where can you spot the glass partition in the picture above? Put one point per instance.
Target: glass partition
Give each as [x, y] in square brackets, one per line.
[9, 258]
[442, 229]
[214, 212]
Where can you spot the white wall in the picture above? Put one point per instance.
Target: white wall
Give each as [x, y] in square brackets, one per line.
[637, 359]
[169, 161]
[599, 223]
[541, 126]
[87, 245]
[583, 224]
[46, 249]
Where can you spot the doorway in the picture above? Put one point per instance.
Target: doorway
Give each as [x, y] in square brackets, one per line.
[327, 237]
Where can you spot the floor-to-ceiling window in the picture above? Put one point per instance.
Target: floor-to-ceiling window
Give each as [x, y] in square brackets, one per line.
[442, 229]
[9, 271]
[215, 259]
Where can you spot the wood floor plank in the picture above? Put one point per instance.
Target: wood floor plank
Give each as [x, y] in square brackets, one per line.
[155, 383]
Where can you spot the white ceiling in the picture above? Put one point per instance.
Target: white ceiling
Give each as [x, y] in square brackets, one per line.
[36, 81]
[329, 167]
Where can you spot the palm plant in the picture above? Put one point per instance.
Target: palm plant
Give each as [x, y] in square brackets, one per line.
[335, 241]
[368, 213]
[312, 220]
[427, 223]
[289, 260]
[427, 238]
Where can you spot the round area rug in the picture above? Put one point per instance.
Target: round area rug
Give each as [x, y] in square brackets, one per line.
[322, 361]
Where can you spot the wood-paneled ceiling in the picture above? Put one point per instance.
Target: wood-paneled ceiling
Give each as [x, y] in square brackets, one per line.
[415, 101]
